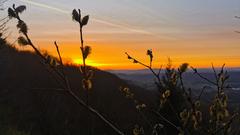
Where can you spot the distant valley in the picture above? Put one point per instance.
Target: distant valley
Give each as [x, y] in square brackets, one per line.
[145, 79]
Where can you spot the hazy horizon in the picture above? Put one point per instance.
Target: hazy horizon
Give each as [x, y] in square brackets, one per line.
[197, 32]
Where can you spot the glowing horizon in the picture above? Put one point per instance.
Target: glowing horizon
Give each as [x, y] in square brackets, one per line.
[199, 32]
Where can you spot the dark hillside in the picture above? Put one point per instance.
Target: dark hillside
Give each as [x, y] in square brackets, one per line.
[30, 103]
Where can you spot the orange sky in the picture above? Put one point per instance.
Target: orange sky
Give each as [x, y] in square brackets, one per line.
[199, 33]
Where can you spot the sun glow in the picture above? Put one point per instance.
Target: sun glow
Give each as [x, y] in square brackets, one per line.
[109, 38]
[89, 62]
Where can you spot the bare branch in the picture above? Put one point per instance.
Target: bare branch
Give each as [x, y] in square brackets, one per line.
[204, 78]
[48, 89]
[166, 120]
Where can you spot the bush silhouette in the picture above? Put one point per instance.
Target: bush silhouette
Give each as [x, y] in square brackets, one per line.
[183, 110]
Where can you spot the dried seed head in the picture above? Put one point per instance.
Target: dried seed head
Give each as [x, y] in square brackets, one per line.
[87, 84]
[183, 68]
[20, 9]
[11, 13]
[22, 41]
[85, 20]
[75, 16]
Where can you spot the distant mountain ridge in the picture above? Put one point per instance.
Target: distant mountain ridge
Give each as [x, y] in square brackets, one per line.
[144, 77]
[146, 71]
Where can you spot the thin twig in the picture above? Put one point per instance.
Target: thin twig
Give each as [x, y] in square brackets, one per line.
[81, 102]
[201, 93]
[68, 88]
[166, 120]
[48, 89]
[158, 83]
[204, 78]
[217, 79]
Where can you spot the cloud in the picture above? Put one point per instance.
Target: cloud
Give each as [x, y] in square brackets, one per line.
[129, 29]
[45, 6]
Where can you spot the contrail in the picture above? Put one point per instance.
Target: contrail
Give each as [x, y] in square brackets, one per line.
[45, 6]
[96, 20]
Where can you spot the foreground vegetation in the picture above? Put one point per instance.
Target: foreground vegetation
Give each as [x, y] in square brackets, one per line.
[174, 110]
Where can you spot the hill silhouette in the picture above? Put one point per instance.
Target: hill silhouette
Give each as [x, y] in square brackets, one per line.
[30, 99]
[35, 101]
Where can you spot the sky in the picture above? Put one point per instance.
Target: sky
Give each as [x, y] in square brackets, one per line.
[199, 32]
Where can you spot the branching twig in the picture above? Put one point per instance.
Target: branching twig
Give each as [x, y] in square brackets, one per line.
[166, 120]
[14, 14]
[204, 78]
[81, 102]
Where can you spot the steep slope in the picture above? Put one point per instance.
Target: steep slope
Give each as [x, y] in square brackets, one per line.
[29, 103]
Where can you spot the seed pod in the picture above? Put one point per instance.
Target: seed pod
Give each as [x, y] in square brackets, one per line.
[22, 41]
[11, 13]
[135, 61]
[197, 104]
[22, 26]
[86, 51]
[150, 54]
[90, 74]
[167, 93]
[75, 16]
[20, 9]
[87, 84]
[85, 20]
[183, 68]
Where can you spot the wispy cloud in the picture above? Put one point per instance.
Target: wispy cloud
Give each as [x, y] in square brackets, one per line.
[45, 6]
[129, 29]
